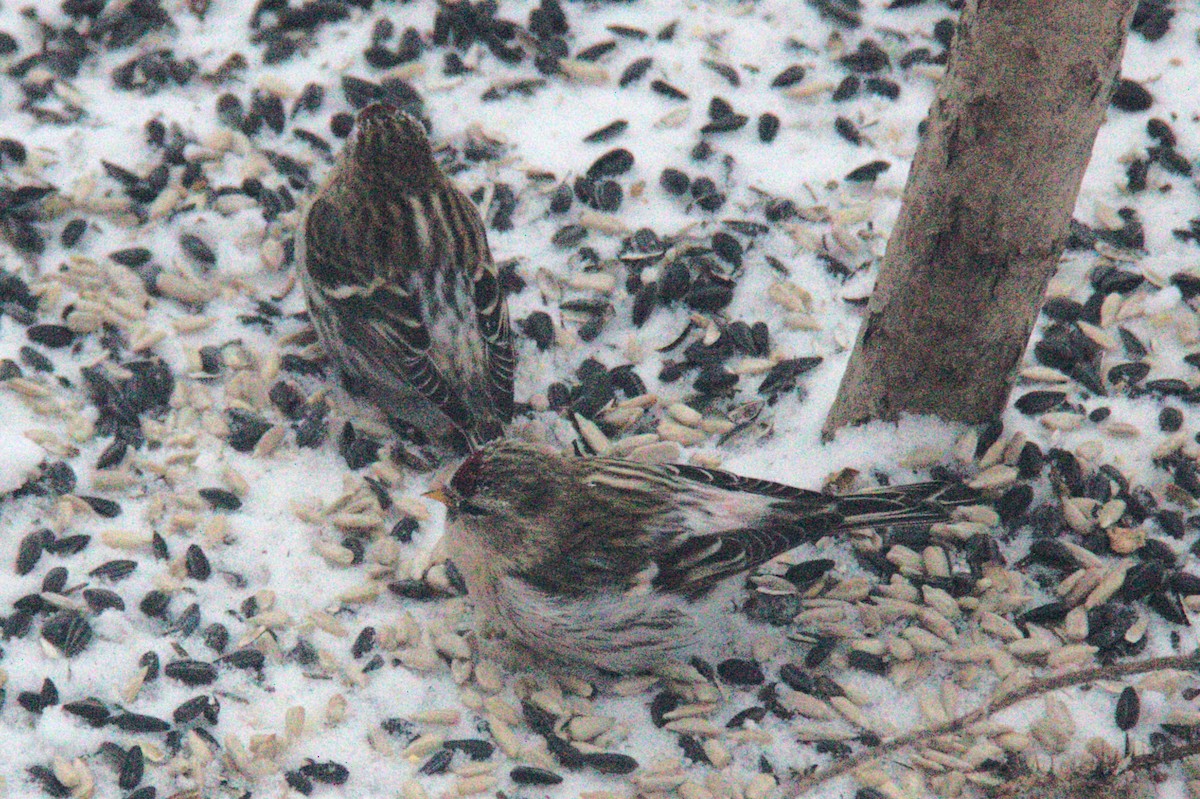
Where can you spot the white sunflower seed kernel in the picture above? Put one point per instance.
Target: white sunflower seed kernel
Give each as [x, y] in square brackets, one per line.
[423, 747]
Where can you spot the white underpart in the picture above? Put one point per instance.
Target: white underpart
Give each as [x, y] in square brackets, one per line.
[620, 632]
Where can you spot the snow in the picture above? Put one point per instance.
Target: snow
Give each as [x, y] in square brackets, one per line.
[270, 551]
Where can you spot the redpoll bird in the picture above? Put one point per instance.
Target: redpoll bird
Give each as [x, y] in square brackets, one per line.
[610, 563]
[401, 285]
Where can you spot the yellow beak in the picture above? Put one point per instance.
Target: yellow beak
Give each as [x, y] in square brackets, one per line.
[438, 493]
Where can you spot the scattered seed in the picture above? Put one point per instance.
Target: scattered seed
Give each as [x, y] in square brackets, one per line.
[220, 498]
[635, 71]
[666, 89]
[69, 632]
[191, 672]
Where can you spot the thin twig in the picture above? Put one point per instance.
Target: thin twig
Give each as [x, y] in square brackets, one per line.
[1167, 754]
[1031, 689]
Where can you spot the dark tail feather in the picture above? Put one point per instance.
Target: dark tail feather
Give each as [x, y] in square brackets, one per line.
[697, 563]
[919, 503]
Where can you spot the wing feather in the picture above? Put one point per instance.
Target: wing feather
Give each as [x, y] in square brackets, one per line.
[698, 562]
[688, 528]
[695, 560]
[750, 485]
[401, 281]
[378, 320]
[490, 307]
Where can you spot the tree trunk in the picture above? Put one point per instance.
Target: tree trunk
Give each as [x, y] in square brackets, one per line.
[986, 210]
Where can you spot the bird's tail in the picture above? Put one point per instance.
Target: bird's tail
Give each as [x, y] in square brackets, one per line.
[914, 504]
[697, 562]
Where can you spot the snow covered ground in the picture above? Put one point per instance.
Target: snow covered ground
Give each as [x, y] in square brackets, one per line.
[211, 583]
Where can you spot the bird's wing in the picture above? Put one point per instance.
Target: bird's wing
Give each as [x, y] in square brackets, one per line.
[915, 503]
[695, 559]
[492, 312]
[706, 525]
[380, 319]
[750, 485]
[695, 563]
[693, 527]
[327, 253]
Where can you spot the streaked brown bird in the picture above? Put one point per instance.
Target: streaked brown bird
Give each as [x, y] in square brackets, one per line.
[620, 565]
[402, 288]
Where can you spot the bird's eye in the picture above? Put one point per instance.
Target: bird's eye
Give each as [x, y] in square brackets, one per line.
[470, 508]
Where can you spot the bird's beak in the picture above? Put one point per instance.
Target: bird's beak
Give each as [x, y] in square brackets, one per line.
[438, 493]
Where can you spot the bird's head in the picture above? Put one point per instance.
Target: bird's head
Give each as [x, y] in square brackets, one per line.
[507, 490]
[462, 487]
[391, 146]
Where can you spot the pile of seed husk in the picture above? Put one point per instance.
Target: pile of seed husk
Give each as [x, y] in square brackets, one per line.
[217, 573]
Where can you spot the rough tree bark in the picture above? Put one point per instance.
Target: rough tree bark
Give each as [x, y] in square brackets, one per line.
[986, 210]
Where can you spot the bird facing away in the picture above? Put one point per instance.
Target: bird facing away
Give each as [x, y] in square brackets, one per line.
[401, 286]
[610, 563]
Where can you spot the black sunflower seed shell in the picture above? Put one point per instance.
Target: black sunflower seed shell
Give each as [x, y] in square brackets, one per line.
[191, 672]
[531, 775]
[29, 551]
[609, 131]
[247, 658]
[196, 563]
[438, 763]
[68, 631]
[105, 508]
[474, 748]
[330, 773]
[1185, 583]
[101, 599]
[50, 785]
[149, 660]
[114, 570]
[220, 498]
[788, 77]
[53, 336]
[137, 722]
[667, 90]
[635, 71]
[1038, 402]
[133, 767]
[740, 671]
[55, 580]
[193, 709]
[298, 782]
[68, 545]
[91, 710]
[1128, 709]
[610, 762]
[1050, 613]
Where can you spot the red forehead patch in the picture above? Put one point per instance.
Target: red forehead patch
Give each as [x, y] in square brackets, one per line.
[467, 475]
